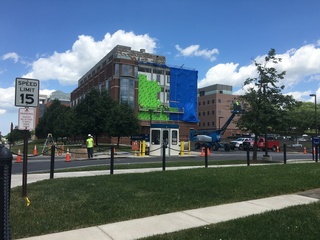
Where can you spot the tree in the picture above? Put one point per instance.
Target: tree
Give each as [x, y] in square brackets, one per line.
[265, 107]
[301, 118]
[92, 114]
[17, 135]
[123, 122]
[47, 123]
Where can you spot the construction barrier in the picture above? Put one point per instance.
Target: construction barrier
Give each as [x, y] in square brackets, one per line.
[68, 156]
[203, 152]
[35, 150]
[18, 160]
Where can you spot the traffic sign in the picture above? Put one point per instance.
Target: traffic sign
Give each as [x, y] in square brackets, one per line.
[26, 119]
[27, 92]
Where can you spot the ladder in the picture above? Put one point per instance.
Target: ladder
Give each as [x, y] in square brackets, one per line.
[49, 140]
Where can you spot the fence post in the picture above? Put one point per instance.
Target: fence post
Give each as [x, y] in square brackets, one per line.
[53, 152]
[112, 159]
[5, 182]
[164, 145]
[285, 153]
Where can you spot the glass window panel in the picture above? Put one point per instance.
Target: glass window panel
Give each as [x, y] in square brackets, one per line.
[155, 137]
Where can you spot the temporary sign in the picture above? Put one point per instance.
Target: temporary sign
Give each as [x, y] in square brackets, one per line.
[26, 119]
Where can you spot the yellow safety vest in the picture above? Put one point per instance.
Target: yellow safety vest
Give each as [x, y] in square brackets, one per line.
[90, 143]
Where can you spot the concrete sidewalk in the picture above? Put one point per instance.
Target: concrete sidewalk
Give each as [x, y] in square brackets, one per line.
[166, 223]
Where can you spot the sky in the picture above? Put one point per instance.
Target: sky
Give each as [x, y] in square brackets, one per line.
[56, 42]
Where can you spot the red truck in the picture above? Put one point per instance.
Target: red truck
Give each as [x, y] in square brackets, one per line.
[274, 145]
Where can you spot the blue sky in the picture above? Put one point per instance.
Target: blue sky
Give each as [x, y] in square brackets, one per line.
[58, 41]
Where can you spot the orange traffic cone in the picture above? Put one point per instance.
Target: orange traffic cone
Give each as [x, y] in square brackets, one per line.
[18, 160]
[35, 150]
[202, 152]
[278, 149]
[304, 150]
[68, 156]
[208, 151]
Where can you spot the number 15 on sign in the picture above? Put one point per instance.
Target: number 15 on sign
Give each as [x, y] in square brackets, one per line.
[27, 92]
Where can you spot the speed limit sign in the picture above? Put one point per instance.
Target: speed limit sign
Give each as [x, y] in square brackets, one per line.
[27, 92]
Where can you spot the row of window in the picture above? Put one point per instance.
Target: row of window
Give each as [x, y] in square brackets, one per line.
[208, 101]
[207, 124]
[208, 113]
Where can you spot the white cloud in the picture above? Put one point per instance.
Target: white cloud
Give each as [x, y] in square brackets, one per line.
[228, 74]
[69, 66]
[7, 99]
[194, 50]
[302, 67]
[11, 55]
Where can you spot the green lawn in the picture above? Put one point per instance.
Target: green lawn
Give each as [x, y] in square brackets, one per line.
[64, 204]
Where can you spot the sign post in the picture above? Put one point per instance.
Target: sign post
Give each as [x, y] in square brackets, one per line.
[27, 96]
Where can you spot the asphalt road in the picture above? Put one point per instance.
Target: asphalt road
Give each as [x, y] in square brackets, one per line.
[43, 163]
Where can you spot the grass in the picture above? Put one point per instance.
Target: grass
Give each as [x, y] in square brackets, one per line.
[64, 204]
[294, 223]
[158, 165]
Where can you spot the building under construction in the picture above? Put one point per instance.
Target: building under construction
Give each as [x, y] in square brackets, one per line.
[158, 93]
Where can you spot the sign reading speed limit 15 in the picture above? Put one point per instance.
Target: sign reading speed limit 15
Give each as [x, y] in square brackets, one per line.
[27, 92]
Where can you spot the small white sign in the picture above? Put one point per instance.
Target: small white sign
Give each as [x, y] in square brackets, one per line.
[26, 119]
[27, 92]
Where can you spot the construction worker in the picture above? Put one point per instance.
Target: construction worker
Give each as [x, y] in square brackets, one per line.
[90, 145]
[236, 105]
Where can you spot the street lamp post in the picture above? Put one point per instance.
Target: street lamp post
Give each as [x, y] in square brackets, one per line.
[315, 111]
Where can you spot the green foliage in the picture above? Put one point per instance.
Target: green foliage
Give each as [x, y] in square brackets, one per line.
[123, 122]
[302, 118]
[93, 113]
[17, 135]
[52, 121]
[264, 105]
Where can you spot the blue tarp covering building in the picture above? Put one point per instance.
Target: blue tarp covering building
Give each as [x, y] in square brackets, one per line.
[183, 94]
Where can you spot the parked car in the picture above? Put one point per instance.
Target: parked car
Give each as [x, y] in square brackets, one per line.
[238, 143]
[273, 145]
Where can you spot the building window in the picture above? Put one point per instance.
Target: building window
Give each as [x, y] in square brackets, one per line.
[212, 112]
[203, 124]
[213, 124]
[201, 93]
[127, 91]
[219, 100]
[204, 113]
[204, 103]
[199, 103]
[208, 102]
[126, 70]
[199, 114]
[168, 79]
[208, 113]
[212, 101]
[117, 69]
[136, 72]
[174, 137]
[208, 124]
[155, 137]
